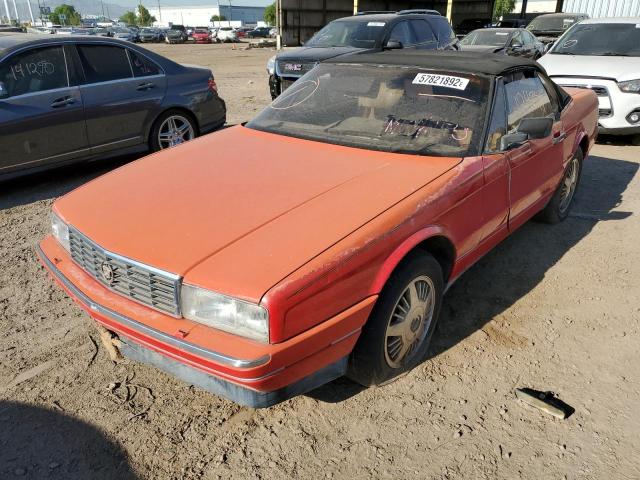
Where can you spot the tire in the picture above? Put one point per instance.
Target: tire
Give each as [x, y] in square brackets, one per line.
[183, 122]
[635, 140]
[377, 357]
[559, 206]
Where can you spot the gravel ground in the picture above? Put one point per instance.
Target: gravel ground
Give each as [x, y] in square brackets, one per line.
[553, 308]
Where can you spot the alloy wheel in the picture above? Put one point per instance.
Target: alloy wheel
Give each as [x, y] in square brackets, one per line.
[175, 130]
[569, 184]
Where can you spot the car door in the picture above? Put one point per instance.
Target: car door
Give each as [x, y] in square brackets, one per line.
[41, 116]
[401, 32]
[122, 91]
[423, 34]
[536, 165]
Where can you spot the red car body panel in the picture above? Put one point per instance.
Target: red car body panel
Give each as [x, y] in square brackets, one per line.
[201, 37]
[309, 230]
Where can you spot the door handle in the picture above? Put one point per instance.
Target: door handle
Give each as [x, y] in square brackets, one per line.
[145, 86]
[62, 102]
[559, 137]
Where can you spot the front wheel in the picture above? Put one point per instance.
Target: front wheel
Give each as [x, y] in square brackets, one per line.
[399, 330]
[560, 204]
[170, 129]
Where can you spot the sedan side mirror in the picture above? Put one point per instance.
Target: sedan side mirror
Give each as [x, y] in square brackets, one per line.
[4, 92]
[536, 127]
[516, 47]
[512, 140]
[393, 45]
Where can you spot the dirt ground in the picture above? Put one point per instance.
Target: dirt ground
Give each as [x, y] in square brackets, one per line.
[553, 308]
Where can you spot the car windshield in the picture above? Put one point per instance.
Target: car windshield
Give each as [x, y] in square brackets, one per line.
[550, 24]
[200, 30]
[486, 37]
[120, 30]
[148, 30]
[395, 109]
[603, 39]
[349, 34]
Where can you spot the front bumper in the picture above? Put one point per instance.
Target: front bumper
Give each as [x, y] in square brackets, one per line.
[246, 372]
[614, 105]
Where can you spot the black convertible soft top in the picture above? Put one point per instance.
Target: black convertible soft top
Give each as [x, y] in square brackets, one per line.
[450, 60]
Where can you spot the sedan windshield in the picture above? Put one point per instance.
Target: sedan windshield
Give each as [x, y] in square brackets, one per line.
[486, 37]
[550, 24]
[349, 34]
[603, 39]
[395, 109]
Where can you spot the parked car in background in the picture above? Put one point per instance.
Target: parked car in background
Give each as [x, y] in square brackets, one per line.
[273, 32]
[361, 33]
[469, 24]
[226, 34]
[102, 32]
[548, 28]
[176, 34]
[516, 42]
[68, 99]
[259, 32]
[246, 275]
[150, 35]
[201, 35]
[122, 33]
[511, 23]
[242, 31]
[603, 55]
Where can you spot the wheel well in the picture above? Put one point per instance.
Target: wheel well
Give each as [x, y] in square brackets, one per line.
[584, 146]
[442, 250]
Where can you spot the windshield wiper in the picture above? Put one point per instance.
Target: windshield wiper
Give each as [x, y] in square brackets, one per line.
[613, 54]
[562, 53]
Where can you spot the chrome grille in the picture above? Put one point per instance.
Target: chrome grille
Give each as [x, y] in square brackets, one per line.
[293, 68]
[600, 91]
[146, 285]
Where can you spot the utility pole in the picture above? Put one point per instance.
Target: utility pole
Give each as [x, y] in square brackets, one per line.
[31, 12]
[159, 12]
[230, 12]
[355, 7]
[15, 9]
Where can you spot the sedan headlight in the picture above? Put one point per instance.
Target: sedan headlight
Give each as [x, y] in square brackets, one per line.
[225, 313]
[271, 65]
[630, 86]
[60, 231]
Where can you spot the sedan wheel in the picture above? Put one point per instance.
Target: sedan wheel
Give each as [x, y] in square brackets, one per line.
[569, 184]
[560, 204]
[175, 130]
[397, 334]
[409, 322]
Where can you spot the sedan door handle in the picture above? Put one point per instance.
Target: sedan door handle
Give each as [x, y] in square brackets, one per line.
[62, 102]
[559, 137]
[146, 86]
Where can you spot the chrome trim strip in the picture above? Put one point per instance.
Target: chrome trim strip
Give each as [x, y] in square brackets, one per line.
[151, 332]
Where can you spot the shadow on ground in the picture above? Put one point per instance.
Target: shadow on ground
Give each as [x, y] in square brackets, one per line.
[518, 264]
[39, 443]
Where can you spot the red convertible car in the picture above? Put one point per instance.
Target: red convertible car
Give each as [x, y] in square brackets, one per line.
[362, 193]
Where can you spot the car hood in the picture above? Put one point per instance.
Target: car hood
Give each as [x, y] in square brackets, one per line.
[317, 54]
[618, 68]
[239, 221]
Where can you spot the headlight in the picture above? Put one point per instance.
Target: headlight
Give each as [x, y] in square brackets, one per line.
[225, 313]
[271, 65]
[60, 231]
[630, 86]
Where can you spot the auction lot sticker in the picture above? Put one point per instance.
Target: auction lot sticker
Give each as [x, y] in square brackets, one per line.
[447, 81]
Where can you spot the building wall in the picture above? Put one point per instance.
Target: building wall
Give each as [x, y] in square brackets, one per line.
[604, 8]
[302, 18]
[537, 6]
[195, 16]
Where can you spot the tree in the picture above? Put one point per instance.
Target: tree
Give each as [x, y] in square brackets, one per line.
[270, 14]
[144, 17]
[128, 18]
[218, 18]
[71, 16]
[502, 7]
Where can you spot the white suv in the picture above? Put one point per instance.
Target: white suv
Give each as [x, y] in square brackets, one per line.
[604, 56]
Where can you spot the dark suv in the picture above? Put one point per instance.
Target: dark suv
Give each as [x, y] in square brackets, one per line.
[362, 33]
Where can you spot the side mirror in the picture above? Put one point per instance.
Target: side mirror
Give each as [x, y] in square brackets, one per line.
[512, 140]
[536, 127]
[393, 45]
[516, 46]
[4, 93]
